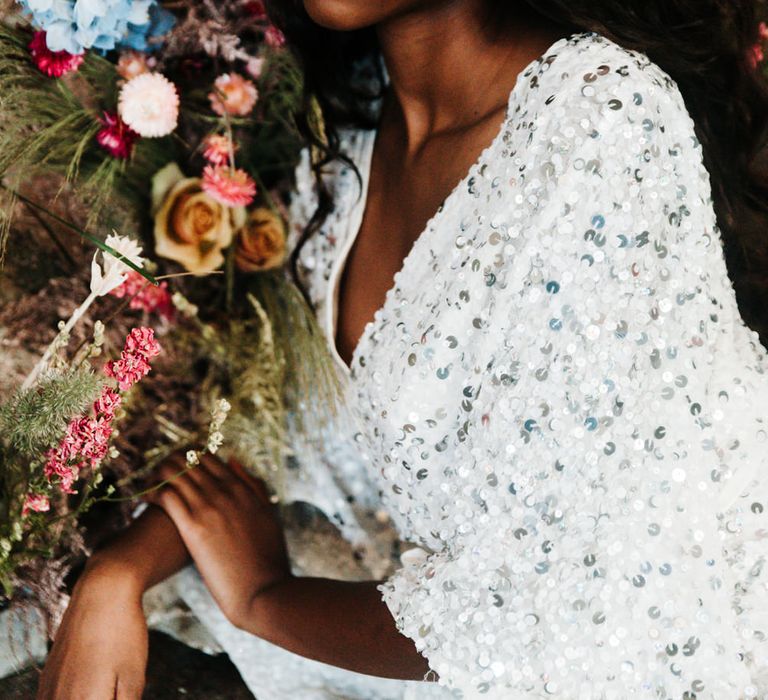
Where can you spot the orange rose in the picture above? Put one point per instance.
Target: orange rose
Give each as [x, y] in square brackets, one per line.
[261, 241]
[191, 227]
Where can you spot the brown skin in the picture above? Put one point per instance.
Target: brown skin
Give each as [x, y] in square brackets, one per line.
[447, 102]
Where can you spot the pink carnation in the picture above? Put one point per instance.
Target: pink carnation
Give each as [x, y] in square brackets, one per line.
[233, 94]
[53, 63]
[234, 188]
[36, 502]
[116, 137]
[217, 149]
[145, 296]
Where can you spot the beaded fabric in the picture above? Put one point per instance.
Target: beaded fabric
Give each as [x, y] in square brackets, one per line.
[561, 404]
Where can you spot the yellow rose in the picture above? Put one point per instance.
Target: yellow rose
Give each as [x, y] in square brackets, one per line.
[191, 227]
[261, 241]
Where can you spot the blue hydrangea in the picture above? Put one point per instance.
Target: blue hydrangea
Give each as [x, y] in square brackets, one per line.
[77, 25]
[160, 22]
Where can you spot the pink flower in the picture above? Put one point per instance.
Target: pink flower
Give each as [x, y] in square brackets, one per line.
[36, 502]
[217, 149]
[116, 138]
[755, 54]
[133, 63]
[95, 436]
[141, 341]
[233, 94]
[274, 37]
[107, 403]
[57, 466]
[53, 63]
[127, 370]
[86, 440]
[145, 296]
[234, 188]
[133, 365]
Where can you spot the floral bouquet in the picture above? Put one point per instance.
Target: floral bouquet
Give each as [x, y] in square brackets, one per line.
[172, 120]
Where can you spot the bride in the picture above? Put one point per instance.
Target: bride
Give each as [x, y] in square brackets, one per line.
[511, 235]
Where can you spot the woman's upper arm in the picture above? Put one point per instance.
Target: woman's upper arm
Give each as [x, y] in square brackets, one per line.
[590, 560]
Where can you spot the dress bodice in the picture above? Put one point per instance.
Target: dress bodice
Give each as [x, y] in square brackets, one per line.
[560, 403]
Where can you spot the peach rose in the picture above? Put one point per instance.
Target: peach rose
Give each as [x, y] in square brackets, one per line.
[261, 241]
[191, 227]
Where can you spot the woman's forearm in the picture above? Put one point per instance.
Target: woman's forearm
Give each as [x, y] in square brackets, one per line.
[145, 553]
[342, 623]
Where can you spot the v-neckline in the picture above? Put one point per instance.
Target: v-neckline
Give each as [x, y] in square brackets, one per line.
[355, 217]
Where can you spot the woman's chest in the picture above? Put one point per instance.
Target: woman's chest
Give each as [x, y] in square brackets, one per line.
[440, 335]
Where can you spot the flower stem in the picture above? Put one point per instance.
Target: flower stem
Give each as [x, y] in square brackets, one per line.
[45, 359]
[88, 236]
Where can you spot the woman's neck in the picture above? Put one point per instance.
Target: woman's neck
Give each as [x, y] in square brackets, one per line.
[449, 66]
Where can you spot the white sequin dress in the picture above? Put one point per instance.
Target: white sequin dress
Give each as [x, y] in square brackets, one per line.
[560, 405]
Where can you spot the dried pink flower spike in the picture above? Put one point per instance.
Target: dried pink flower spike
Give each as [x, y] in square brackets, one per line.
[146, 297]
[133, 365]
[36, 502]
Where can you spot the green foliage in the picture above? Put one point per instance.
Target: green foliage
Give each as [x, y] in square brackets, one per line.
[310, 377]
[273, 142]
[255, 428]
[49, 126]
[34, 419]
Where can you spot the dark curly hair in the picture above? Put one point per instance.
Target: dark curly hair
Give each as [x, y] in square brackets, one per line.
[704, 45]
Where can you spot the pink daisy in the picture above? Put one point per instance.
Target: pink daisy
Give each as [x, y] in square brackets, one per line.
[234, 188]
[217, 149]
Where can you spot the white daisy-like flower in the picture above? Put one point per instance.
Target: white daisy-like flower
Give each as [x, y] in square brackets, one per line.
[107, 271]
[149, 104]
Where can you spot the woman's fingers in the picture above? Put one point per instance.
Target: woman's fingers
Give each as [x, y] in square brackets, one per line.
[190, 490]
[173, 503]
[194, 491]
[256, 485]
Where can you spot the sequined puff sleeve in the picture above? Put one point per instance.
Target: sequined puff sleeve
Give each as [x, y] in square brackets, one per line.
[609, 533]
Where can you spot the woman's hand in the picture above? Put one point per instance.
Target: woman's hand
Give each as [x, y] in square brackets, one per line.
[100, 652]
[229, 526]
